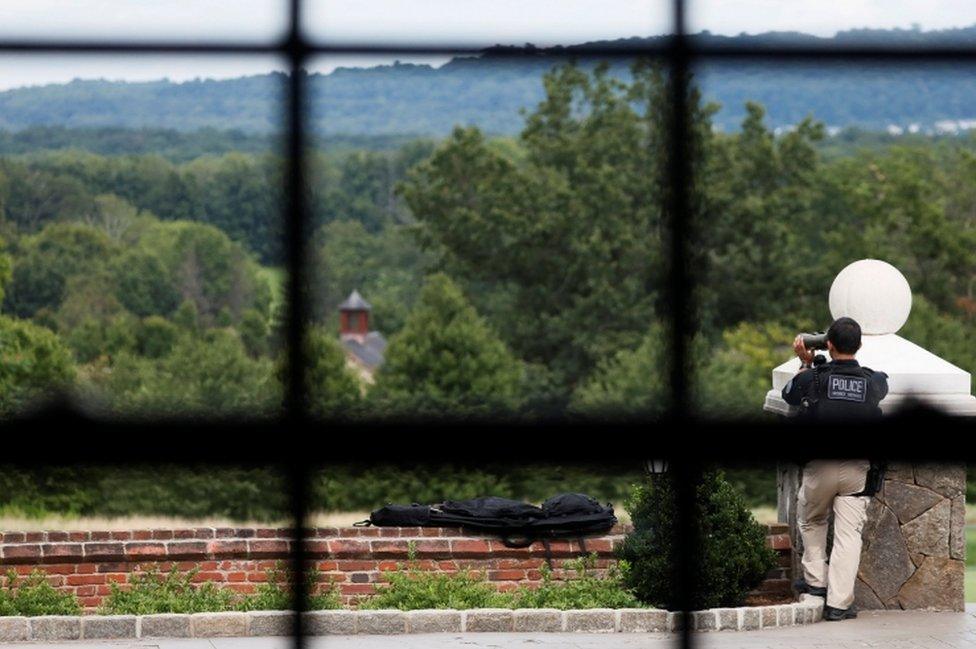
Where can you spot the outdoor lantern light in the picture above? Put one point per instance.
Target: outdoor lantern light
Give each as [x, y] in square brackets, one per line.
[657, 467]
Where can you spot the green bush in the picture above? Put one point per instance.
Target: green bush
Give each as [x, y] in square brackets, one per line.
[414, 589]
[585, 591]
[33, 595]
[731, 556]
[151, 592]
[276, 594]
[411, 589]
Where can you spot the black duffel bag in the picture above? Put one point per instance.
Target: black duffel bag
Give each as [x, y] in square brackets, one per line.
[519, 524]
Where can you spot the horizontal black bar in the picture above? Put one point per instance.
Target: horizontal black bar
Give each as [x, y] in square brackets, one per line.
[59, 436]
[663, 48]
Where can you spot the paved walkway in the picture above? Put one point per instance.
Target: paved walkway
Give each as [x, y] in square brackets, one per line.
[884, 630]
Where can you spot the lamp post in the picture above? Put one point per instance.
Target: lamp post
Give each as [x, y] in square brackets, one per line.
[656, 467]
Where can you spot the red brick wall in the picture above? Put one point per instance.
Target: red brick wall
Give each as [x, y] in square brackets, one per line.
[354, 559]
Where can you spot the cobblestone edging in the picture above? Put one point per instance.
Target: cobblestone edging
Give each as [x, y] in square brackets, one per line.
[388, 622]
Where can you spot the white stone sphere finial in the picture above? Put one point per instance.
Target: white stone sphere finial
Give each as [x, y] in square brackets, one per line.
[874, 293]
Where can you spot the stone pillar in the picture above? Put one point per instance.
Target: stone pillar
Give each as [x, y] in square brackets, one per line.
[914, 554]
[914, 545]
[787, 490]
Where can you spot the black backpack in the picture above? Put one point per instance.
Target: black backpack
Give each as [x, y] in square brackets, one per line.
[519, 524]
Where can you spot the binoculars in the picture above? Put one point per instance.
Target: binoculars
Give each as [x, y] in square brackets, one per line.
[815, 340]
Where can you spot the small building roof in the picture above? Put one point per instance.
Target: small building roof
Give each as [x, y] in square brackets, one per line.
[368, 353]
[355, 302]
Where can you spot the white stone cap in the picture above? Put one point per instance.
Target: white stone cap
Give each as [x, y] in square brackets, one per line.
[877, 295]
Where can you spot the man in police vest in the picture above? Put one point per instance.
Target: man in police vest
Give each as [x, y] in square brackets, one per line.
[840, 390]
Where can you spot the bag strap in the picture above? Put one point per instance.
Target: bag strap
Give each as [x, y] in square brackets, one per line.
[545, 542]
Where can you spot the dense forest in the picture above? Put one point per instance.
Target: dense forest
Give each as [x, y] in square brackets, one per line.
[511, 275]
[489, 90]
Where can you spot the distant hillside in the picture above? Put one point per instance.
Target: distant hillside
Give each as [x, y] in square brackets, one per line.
[490, 89]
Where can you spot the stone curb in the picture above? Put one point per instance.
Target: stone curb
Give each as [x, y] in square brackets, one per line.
[391, 622]
[753, 618]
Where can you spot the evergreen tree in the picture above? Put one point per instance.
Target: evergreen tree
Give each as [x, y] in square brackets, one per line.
[446, 359]
[333, 389]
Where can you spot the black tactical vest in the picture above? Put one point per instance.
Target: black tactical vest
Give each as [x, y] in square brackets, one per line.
[842, 392]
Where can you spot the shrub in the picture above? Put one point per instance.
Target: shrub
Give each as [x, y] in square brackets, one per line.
[731, 556]
[413, 589]
[276, 594]
[585, 591]
[33, 595]
[150, 592]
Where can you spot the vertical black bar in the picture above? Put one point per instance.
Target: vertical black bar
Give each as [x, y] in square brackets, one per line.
[678, 216]
[295, 388]
[679, 299]
[298, 483]
[686, 475]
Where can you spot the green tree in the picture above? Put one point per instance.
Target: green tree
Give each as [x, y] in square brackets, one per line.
[211, 375]
[156, 337]
[254, 332]
[560, 247]
[6, 269]
[446, 359]
[208, 269]
[334, 391]
[34, 364]
[733, 374]
[761, 231]
[46, 261]
[144, 286]
[631, 382]
[896, 207]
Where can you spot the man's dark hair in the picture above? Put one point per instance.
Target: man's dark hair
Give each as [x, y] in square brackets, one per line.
[845, 334]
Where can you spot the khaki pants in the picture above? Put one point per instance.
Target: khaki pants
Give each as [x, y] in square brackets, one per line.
[827, 485]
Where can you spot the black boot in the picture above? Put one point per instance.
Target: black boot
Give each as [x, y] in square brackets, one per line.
[801, 586]
[832, 614]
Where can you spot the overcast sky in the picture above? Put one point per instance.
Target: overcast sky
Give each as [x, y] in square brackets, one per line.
[472, 22]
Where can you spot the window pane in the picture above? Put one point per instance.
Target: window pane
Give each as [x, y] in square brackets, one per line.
[142, 236]
[874, 543]
[806, 169]
[809, 22]
[479, 23]
[257, 21]
[140, 539]
[508, 264]
[479, 566]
